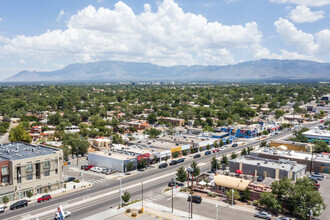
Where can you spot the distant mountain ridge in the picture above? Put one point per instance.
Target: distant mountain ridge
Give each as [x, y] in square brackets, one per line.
[130, 71]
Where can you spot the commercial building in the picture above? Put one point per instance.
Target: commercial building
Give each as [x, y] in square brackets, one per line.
[268, 168]
[111, 160]
[317, 134]
[314, 162]
[174, 121]
[27, 167]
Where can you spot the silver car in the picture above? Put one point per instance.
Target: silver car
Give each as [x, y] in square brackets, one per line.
[264, 215]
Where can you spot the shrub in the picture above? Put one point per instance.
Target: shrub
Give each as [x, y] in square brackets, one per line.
[249, 203]
[140, 211]
[76, 181]
[128, 210]
[5, 199]
[134, 214]
[256, 202]
[29, 194]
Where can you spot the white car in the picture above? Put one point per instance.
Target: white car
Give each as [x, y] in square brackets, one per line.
[2, 209]
[99, 170]
[66, 214]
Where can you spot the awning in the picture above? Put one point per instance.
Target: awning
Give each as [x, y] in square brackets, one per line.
[231, 182]
[239, 171]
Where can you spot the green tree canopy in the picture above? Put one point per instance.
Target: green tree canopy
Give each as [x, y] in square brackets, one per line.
[18, 133]
[196, 168]
[181, 174]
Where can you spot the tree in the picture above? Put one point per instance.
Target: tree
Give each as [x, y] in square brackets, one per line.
[126, 197]
[152, 118]
[214, 164]
[175, 154]
[224, 160]
[233, 155]
[19, 134]
[181, 174]
[244, 152]
[321, 146]
[208, 147]
[231, 195]
[282, 188]
[5, 199]
[265, 132]
[279, 113]
[29, 194]
[196, 168]
[263, 144]
[78, 145]
[269, 200]
[129, 166]
[153, 132]
[142, 163]
[246, 194]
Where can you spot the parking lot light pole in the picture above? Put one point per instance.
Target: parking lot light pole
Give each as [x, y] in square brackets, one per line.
[216, 218]
[120, 192]
[232, 197]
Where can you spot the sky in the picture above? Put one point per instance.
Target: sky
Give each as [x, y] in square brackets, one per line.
[45, 35]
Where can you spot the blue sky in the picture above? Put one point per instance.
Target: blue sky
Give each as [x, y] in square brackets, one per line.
[45, 35]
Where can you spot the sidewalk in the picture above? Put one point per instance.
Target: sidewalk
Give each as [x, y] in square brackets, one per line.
[152, 208]
[70, 187]
[250, 209]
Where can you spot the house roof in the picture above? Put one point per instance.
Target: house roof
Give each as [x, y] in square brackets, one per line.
[231, 182]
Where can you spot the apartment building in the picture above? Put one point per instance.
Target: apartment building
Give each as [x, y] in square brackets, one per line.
[27, 167]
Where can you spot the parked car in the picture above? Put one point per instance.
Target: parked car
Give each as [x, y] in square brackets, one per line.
[66, 214]
[216, 150]
[260, 178]
[317, 186]
[234, 145]
[163, 165]
[173, 162]
[110, 171]
[170, 184]
[19, 204]
[283, 218]
[89, 167]
[314, 179]
[263, 215]
[318, 175]
[70, 179]
[2, 209]
[74, 156]
[83, 167]
[197, 156]
[195, 199]
[92, 169]
[181, 160]
[44, 198]
[208, 152]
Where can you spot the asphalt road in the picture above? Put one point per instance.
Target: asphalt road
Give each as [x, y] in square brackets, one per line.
[100, 189]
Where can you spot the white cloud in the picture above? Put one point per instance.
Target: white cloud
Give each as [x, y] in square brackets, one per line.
[22, 61]
[303, 14]
[306, 43]
[60, 15]
[99, 1]
[1, 19]
[168, 36]
[304, 2]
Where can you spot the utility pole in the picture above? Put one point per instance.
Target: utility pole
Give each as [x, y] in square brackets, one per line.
[142, 196]
[311, 168]
[172, 194]
[120, 191]
[232, 197]
[191, 205]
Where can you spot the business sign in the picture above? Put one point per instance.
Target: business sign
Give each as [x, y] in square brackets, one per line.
[175, 149]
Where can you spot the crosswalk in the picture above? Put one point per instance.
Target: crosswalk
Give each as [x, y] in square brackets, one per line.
[158, 197]
[93, 181]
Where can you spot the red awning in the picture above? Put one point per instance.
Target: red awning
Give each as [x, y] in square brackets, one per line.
[239, 172]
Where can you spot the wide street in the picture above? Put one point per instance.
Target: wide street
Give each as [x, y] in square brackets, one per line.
[105, 195]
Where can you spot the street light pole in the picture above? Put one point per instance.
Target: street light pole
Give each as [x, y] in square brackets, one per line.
[172, 194]
[232, 197]
[217, 212]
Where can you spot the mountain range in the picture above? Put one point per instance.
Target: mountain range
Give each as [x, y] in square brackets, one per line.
[130, 71]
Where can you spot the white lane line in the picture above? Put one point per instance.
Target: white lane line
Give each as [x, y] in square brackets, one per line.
[148, 200]
[169, 198]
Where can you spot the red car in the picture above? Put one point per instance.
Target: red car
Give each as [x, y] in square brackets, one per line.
[317, 186]
[89, 167]
[44, 198]
[321, 121]
[216, 150]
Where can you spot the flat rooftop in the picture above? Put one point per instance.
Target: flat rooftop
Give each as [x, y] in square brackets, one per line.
[275, 164]
[292, 154]
[135, 149]
[317, 133]
[18, 151]
[112, 154]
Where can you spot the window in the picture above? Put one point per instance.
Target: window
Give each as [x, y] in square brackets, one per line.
[47, 164]
[5, 179]
[4, 170]
[29, 176]
[47, 173]
[56, 171]
[29, 168]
